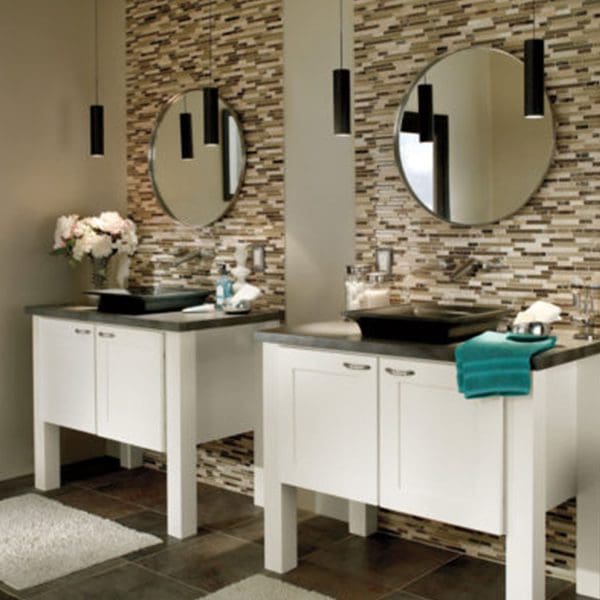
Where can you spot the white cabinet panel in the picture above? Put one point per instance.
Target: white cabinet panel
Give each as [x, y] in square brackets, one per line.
[327, 430]
[130, 386]
[65, 373]
[441, 456]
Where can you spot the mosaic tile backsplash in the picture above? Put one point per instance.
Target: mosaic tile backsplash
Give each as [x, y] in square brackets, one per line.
[167, 52]
[554, 238]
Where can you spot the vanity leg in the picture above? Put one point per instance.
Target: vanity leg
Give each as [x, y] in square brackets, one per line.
[588, 479]
[131, 457]
[526, 493]
[46, 455]
[281, 528]
[362, 518]
[180, 357]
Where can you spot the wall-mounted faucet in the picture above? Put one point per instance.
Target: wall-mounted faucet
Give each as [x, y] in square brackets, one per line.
[471, 266]
[200, 253]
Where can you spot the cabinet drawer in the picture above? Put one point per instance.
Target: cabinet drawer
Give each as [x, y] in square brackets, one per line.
[130, 386]
[327, 422]
[441, 456]
[65, 373]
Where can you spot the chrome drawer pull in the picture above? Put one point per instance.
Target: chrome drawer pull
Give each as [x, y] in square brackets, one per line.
[399, 372]
[79, 331]
[355, 367]
[103, 334]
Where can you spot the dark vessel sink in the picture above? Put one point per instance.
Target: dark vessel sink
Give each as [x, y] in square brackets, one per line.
[144, 300]
[427, 323]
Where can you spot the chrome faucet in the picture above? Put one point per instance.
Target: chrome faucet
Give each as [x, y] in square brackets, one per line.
[198, 253]
[471, 266]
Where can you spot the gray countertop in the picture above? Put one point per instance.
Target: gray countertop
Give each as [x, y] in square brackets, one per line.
[168, 321]
[345, 336]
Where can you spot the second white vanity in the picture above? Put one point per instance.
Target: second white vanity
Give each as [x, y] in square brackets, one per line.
[164, 382]
[383, 424]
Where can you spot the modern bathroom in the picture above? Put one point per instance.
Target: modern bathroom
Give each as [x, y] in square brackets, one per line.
[307, 300]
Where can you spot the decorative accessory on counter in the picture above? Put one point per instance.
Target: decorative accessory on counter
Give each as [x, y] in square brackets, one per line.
[96, 110]
[243, 307]
[540, 311]
[534, 75]
[98, 238]
[341, 89]
[355, 286]
[247, 293]
[583, 301]
[224, 287]
[240, 271]
[377, 294]
[200, 308]
[211, 94]
[492, 364]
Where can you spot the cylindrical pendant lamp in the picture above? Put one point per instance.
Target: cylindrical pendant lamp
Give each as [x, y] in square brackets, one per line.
[341, 102]
[185, 136]
[96, 130]
[211, 116]
[534, 79]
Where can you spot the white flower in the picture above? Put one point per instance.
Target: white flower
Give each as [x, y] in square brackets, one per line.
[128, 241]
[111, 222]
[100, 245]
[64, 230]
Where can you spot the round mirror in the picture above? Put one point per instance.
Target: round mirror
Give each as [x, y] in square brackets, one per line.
[486, 158]
[196, 183]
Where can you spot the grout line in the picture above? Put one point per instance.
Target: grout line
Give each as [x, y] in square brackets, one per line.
[427, 573]
[171, 578]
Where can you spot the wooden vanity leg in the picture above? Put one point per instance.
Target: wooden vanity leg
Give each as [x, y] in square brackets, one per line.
[180, 368]
[362, 518]
[281, 527]
[130, 456]
[47, 455]
[526, 493]
[588, 478]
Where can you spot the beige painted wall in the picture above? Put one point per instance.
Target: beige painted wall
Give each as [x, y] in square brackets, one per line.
[46, 78]
[319, 167]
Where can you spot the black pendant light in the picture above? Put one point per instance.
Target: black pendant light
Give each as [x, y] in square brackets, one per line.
[185, 133]
[211, 96]
[534, 76]
[341, 89]
[426, 118]
[96, 110]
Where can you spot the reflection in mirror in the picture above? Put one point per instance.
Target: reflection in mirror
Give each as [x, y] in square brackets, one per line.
[198, 188]
[486, 159]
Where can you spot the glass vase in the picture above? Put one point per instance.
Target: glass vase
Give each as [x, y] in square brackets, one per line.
[100, 272]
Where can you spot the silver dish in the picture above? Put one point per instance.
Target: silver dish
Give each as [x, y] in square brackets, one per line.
[532, 328]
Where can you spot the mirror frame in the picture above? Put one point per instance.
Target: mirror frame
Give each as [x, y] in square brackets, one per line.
[403, 105]
[151, 158]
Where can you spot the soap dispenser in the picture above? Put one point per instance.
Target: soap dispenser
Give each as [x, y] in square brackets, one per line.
[224, 287]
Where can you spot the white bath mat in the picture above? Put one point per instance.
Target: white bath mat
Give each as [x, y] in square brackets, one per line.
[41, 540]
[260, 587]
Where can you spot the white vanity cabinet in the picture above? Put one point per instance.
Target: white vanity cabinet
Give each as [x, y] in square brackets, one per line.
[66, 373]
[327, 422]
[441, 456]
[130, 376]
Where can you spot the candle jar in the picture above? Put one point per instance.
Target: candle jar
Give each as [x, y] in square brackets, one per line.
[377, 293]
[355, 285]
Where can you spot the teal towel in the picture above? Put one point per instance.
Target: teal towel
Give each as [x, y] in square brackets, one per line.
[493, 365]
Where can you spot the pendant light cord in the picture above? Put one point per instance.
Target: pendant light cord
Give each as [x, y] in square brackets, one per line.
[210, 26]
[534, 19]
[96, 46]
[341, 34]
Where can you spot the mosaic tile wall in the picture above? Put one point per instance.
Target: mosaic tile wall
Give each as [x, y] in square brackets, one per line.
[553, 238]
[167, 53]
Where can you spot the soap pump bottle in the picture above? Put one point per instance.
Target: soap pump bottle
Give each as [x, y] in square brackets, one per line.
[224, 287]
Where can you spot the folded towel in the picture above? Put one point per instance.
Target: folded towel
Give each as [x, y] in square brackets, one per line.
[493, 365]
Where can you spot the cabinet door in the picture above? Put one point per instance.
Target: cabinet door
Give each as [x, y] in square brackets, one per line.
[327, 422]
[130, 386]
[441, 456]
[65, 374]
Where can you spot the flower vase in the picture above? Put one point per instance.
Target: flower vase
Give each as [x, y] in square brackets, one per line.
[99, 273]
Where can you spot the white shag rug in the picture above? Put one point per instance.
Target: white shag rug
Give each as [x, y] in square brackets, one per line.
[260, 587]
[42, 539]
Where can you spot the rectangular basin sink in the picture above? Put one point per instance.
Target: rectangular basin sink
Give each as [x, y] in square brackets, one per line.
[144, 300]
[427, 323]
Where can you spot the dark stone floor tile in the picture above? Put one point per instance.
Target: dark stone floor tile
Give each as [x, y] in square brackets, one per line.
[569, 593]
[314, 532]
[6, 596]
[71, 579]
[16, 486]
[93, 502]
[83, 471]
[470, 579]
[335, 584]
[399, 595]
[209, 562]
[144, 487]
[392, 561]
[127, 582]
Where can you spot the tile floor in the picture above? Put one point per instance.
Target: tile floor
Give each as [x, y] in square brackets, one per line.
[228, 548]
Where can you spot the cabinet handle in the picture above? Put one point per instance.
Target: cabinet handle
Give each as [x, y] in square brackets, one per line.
[399, 372]
[355, 367]
[103, 334]
[79, 331]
